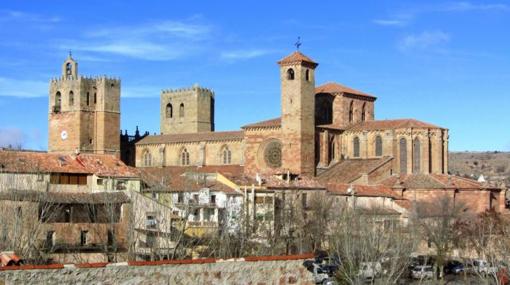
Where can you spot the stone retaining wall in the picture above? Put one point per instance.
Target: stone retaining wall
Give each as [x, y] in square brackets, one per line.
[279, 270]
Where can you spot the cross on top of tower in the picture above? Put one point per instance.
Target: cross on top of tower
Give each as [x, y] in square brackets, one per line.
[298, 43]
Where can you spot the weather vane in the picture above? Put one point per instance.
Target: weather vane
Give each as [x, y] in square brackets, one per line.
[298, 43]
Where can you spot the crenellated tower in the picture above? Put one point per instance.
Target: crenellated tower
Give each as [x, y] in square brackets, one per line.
[187, 110]
[84, 112]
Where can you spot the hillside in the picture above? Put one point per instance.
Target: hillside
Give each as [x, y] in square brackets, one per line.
[495, 166]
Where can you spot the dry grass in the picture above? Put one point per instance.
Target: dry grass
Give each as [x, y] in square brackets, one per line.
[495, 166]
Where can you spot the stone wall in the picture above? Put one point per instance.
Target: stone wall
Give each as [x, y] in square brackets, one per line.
[256, 270]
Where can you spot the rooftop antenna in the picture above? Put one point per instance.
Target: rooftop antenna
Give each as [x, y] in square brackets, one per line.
[298, 43]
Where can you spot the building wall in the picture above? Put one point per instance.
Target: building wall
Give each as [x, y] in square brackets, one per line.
[200, 153]
[256, 140]
[341, 107]
[198, 110]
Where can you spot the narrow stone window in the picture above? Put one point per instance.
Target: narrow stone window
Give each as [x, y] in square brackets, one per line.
[307, 75]
[88, 99]
[184, 157]
[363, 114]
[290, 74]
[351, 112]
[226, 155]
[355, 147]
[169, 110]
[71, 98]
[181, 110]
[95, 98]
[403, 156]
[58, 103]
[416, 155]
[147, 159]
[378, 146]
[83, 237]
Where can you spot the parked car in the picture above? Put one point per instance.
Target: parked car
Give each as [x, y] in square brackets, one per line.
[453, 267]
[480, 266]
[323, 268]
[422, 272]
[370, 270]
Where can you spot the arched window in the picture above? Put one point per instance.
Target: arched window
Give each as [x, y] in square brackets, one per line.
[88, 99]
[363, 115]
[416, 155]
[147, 158]
[184, 157]
[71, 98]
[307, 75]
[226, 155]
[69, 70]
[378, 146]
[162, 156]
[181, 110]
[331, 149]
[290, 74]
[58, 103]
[403, 156]
[169, 110]
[355, 147]
[351, 112]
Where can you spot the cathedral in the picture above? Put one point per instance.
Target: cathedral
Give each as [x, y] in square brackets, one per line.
[322, 131]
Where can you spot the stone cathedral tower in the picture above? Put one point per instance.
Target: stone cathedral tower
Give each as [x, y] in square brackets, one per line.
[297, 76]
[84, 113]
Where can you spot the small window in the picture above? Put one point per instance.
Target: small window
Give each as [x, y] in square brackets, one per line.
[83, 237]
[100, 181]
[363, 115]
[181, 110]
[213, 199]
[169, 110]
[226, 155]
[355, 147]
[290, 74]
[378, 146]
[150, 222]
[71, 98]
[351, 112]
[40, 177]
[87, 100]
[58, 103]
[147, 158]
[180, 198]
[95, 98]
[307, 75]
[184, 157]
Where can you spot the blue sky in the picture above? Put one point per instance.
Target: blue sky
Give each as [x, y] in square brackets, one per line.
[441, 62]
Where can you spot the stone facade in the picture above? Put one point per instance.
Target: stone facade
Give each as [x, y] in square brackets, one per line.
[187, 110]
[84, 113]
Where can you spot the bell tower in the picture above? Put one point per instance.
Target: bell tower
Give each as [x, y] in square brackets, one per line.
[297, 77]
[84, 112]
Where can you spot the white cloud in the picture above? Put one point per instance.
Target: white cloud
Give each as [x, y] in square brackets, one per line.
[23, 88]
[423, 40]
[163, 40]
[244, 54]
[12, 137]
[11, 15]
[468, 6]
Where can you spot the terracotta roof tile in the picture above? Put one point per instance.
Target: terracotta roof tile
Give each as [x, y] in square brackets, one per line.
[297, 57]
[276, 122]
[349, 170]
[175, 178]
[336, 88]
[362, 190]
[43, 162]
[193, 137]
[390, 125]
[433, 181]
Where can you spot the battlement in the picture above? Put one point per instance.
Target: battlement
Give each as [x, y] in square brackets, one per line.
[194, 88]
[104, 78]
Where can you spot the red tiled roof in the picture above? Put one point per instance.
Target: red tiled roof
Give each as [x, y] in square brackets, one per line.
[349, 170]
[174, 179]
[193, 137]
[43, 162]
[334, 88]
[276, 122]
[297, 57]
[390, 124]
[362, 190]
[433, 181]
